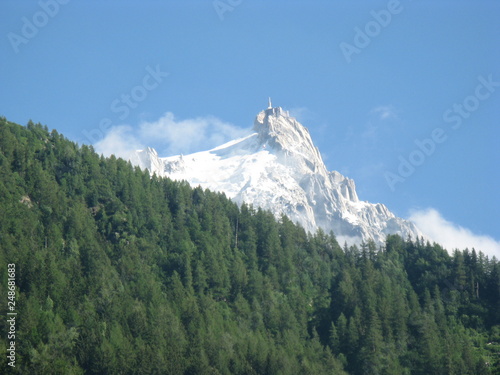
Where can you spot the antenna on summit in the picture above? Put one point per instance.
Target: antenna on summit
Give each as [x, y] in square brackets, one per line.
[270, 105]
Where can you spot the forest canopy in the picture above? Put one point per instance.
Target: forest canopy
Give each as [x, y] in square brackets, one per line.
[120, 272]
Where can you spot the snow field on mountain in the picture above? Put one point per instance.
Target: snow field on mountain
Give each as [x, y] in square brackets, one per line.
[278, 168]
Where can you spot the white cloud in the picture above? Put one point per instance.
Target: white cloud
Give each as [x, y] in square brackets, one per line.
[383, 120]
[385, 112]
[120, 141]
[452, 236]
[169, 135]
[302, 114]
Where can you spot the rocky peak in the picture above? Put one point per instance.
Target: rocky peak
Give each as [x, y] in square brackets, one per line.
[281, 132]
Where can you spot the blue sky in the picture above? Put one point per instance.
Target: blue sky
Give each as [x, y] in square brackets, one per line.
[402, 96]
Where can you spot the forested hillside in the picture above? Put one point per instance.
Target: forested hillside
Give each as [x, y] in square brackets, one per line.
[118, 272]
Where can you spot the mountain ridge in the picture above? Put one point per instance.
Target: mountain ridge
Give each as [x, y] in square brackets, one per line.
[279, 168]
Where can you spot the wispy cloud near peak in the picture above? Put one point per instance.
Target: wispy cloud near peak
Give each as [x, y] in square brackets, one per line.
[452, 236]
[170, 136]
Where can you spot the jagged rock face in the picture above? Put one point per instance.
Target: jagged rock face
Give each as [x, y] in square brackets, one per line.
[279, 169]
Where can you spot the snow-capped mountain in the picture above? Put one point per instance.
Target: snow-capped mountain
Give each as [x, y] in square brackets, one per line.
[279, 169]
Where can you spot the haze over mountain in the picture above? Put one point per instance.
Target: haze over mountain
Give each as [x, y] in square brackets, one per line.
[278, 168]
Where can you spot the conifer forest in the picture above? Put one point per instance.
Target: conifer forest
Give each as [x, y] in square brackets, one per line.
[120, 272]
